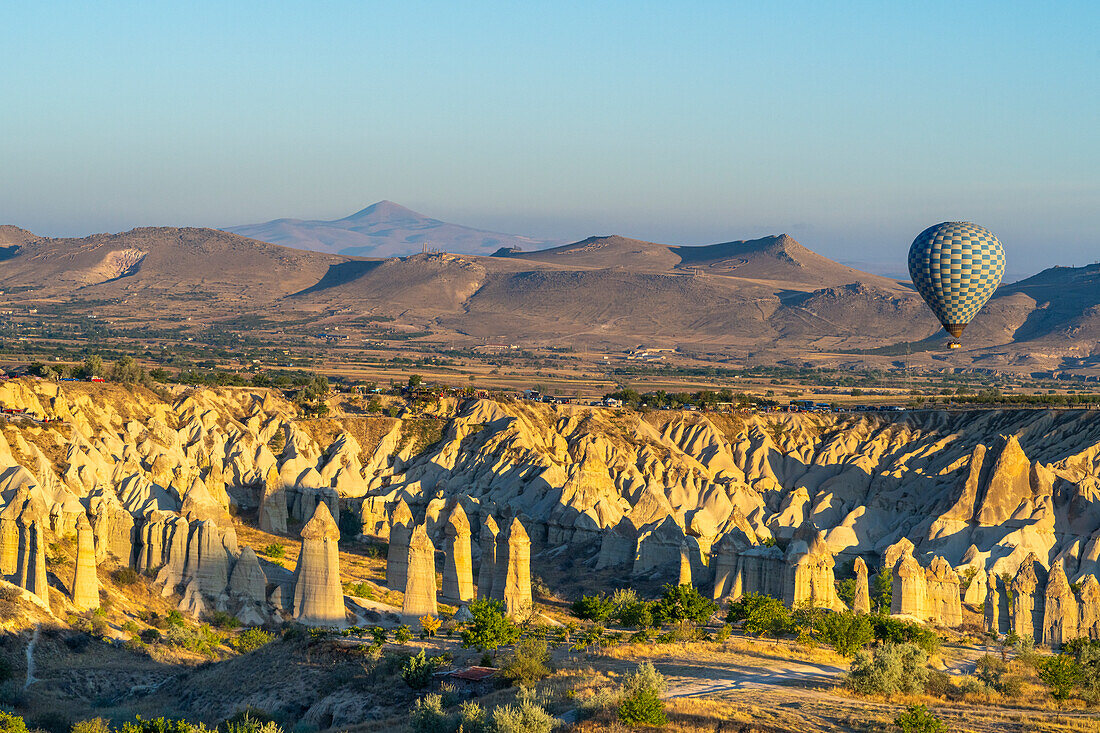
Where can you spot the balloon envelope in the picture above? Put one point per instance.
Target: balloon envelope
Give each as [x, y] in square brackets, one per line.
[955, 267]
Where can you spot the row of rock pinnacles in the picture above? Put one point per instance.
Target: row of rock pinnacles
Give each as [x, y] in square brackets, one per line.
[504, 572]
[202, 561]
[197, 559]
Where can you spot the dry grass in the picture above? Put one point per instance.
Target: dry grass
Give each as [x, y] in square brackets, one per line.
[736, 650]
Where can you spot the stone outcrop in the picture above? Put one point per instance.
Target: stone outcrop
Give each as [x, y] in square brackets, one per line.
[318, 593]
[397, 557]
[513, 578]
[808, 576]
[861, 602]
[420, 586]
[273, 511]
[993, 605]
[31, 570]
[1089, 624]
[909, 593]
[685, 565]
[1009, 485]
[944, 606]
[614, 490]
[488, 570]
[1061, 614]
[85, 587]
[1026, 617]
[9, 533]
[458, 568]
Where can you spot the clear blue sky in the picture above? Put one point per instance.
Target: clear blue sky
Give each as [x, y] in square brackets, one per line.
[849, 125]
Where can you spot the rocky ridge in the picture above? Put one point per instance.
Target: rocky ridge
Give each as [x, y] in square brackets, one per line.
[952, 503]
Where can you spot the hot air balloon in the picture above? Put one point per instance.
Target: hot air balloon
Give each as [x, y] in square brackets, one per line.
[955, 267]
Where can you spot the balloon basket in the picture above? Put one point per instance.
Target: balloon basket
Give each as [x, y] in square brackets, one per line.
[955, 345]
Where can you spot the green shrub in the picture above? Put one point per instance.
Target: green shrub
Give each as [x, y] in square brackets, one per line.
[1086, 652]
[917, 719]
[403, 634]
[274, 550]
[643, 707]
[1062, 674]
[252, 639]
[683, 602]
[149, 636]
[846, 632]
[225, 621]
[636, 615]
[427, 716]
[896, 631]
[598, 608]
[489, 628]
[761, 615]
[641, 703]
[251, 721]
[472, 718]
[524, 716]
[891, 668]
[528, 663]
[161, 725]
[418, 670]
[125, 576]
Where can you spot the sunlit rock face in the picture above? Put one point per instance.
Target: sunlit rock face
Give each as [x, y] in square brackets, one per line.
[954, 502]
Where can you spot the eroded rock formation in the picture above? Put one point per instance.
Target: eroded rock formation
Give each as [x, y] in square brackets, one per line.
[318, 593]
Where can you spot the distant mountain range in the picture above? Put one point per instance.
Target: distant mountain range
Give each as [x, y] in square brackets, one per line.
[384, 229]
[754, 301]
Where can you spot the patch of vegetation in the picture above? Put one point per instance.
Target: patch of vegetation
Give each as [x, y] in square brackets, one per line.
[760, 615]
[683, 603]
[418, 670]
[489, 628]
[918, 719]
[252, 639]
[846, 632]
[125, 576]
[890, 669]
[528, 662]
[641, 703]
[274, 550]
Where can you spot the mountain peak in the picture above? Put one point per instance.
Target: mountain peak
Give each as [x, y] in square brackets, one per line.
[382, 211]
[383, 229]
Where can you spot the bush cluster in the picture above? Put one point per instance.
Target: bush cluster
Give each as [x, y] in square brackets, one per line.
[677, 603]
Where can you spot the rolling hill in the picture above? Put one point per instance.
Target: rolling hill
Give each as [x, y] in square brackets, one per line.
[769, 297]
[384, 229]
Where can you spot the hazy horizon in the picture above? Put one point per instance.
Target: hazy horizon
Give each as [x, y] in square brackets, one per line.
[850, 129]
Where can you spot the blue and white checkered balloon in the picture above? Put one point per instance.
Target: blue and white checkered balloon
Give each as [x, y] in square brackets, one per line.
[955, 267]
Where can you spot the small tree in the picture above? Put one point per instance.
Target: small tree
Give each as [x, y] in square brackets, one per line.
[598, 608]
[489, 627]
[402, 634]
[891, 668]
[846, 632]
[683, 602]
[641, 703]
[1061, 674]
[251, 639]
[761, 614]
[427, 716]
[528, 663]
[882, 592]
[918, 719]
[417, 670]
[430, 625]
